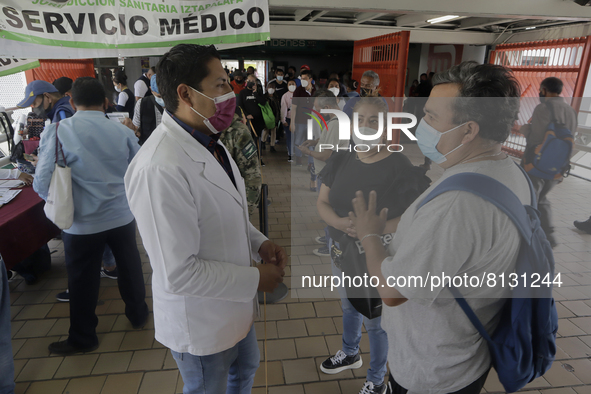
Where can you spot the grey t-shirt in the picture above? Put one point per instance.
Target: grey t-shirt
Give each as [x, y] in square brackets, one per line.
[433, 346]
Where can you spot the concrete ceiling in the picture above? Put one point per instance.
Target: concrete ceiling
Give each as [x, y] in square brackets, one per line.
[479, 21]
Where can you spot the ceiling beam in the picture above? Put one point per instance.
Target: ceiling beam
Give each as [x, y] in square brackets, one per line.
[528, 9]
[340, 32]
[367, 16]
[414, 19]
[301, 14]
[474, 23]
[318, 15]
[551, 33]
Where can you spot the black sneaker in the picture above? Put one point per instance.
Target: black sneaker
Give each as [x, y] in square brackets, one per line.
[321, 240]
[289, 160]
[109, 274]
[322, 252]
[341, 362]
[262, 163]
[584, 226]
[12, 275]
[64, 348]
[273, 149]
[64, 296]
[371, 388]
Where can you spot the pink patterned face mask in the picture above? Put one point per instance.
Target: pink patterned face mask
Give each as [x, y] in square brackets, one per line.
[224, 112]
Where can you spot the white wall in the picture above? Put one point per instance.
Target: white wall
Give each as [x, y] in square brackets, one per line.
[476, 53]
[471, 52]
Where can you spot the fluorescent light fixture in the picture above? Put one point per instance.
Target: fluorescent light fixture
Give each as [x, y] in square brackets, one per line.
[530, 28]
[442, 18]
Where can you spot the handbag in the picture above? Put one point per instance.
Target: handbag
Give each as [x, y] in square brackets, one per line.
[365, 298]
[59, 205]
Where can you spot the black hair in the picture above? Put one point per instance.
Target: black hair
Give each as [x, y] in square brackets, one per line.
[183, 64]
[63, 85]
[291, 68]
[153, 68]
[352, 84]
[88, 92]
[279, 70]
[120, 77]
[333, 80]
[307, 72]
[423, 74]
[488, 95]
[552, 84]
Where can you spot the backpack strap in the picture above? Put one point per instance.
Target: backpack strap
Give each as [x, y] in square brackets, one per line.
[500, 196]
[490, 190]
[469, 313]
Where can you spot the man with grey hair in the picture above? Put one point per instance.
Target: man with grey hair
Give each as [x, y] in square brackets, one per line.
[552, 108]
[434, 347]
[370, 80]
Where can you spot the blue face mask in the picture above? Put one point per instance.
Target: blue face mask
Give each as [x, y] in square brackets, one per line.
[428, 138]
[159, 101]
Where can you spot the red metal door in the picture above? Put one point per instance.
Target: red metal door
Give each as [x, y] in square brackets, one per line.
[532, 62]
[387, 55]
[52, 69]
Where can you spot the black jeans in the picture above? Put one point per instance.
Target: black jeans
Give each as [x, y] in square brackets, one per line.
[473, 388]
[83, 262]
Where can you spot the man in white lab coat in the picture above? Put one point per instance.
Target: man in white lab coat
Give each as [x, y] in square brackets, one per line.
[190, 205]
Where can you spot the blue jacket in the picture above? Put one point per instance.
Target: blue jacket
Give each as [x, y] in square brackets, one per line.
[98, 151]
[61, 110]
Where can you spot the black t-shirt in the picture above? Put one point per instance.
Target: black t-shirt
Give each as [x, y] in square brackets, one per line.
[396, 181]
[280, 90]
[249, 101]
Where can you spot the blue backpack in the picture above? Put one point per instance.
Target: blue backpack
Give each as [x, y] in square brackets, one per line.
[551, 158]
[523, 346]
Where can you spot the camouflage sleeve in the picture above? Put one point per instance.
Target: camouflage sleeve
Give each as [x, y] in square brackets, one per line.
[244, 153]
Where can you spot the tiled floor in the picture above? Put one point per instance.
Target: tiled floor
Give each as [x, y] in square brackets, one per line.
[302, 331]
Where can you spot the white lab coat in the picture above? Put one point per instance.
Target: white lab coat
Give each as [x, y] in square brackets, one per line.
[195, 228]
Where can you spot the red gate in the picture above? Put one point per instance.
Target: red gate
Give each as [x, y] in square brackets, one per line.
[532, 62]
[386, 55]
[52, 69]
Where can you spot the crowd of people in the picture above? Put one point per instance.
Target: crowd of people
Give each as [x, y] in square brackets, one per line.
[184, 168]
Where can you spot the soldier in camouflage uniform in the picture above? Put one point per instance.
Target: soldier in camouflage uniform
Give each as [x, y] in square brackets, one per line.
[239, 142]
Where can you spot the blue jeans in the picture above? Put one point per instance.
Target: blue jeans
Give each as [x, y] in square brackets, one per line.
[228, 372]
[299, 138]
[288, 137]
[108, 258]
[6, 361]
[378, 339]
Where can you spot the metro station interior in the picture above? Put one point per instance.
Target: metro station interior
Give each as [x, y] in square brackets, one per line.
[400, 40]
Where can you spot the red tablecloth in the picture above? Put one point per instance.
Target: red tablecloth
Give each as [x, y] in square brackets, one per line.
[30, 146]
[24, 227]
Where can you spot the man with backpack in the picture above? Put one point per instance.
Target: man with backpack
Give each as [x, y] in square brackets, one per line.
[551, 110]
[434, 346]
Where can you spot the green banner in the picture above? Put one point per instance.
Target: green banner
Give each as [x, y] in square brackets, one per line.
[116, 28]
[11, 66]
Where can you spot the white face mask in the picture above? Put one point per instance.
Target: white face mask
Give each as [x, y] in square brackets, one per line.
[367, 131]
[336, 91]
[280, 78]
[305, 83]
[117, 89]
[291, 88]
[271, 90]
